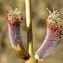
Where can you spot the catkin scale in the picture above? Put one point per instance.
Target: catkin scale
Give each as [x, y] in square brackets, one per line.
[14, 21]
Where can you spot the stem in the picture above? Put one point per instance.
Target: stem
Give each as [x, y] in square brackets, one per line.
[29, 26]
[29, 31]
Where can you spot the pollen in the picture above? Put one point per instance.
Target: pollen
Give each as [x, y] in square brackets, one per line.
[14, 16]
[54, 22]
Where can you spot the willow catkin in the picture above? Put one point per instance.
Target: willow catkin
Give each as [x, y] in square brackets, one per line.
[54, 32]
[14, 19]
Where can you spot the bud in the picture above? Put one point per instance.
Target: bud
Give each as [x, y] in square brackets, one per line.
[14, 19]
[54, 32]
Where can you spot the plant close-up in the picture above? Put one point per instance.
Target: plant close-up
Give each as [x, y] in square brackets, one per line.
[33, 34]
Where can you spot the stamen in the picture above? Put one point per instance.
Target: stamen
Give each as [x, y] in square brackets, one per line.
[14, 16]
[54, 22]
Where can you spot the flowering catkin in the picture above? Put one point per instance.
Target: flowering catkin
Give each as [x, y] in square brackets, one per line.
[54, 32]
[14, 19]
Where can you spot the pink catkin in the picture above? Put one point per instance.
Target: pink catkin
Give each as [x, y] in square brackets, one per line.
[14, 35]
[54, 32]
[14, 21]
[14, 30]
[48, 44]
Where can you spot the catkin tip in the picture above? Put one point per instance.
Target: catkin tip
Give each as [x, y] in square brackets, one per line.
[13, 16]
[54, 22]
